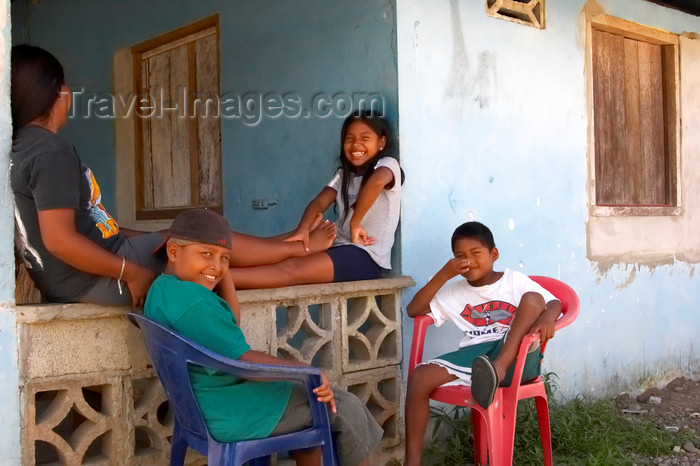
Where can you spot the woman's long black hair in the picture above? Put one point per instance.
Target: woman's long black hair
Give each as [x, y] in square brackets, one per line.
[37, 77]
[380, 127]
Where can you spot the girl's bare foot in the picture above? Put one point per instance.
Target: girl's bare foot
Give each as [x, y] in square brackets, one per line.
[322, 237]
[293, 236]
[317, 222]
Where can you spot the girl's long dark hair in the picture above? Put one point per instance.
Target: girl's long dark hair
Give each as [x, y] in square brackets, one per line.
[380, 127]
[37, 77]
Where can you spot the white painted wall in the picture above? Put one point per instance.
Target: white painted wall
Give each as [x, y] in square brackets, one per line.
[9, 389]
[493, 127]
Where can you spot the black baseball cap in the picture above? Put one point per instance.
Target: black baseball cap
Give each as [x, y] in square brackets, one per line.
[200, 226]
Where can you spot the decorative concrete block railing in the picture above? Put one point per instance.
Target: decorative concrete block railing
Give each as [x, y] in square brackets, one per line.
[89, 395]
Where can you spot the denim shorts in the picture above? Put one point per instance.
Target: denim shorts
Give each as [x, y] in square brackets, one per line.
[352, 263]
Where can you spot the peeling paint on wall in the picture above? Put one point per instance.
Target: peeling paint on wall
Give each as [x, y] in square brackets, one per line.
[604, 268]
[629, 280]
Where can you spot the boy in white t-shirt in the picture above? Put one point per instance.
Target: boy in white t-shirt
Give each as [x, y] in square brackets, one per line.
[495, 310]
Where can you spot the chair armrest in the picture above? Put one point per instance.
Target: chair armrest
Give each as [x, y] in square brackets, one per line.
[565, 294]
[527, 340]
[243, 369]
[252, 370]
[420, 325]
[309, 376]
[569, 315]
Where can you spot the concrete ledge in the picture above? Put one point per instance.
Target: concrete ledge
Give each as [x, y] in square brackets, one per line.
[325, 289]
[33, 313]
[37, 313]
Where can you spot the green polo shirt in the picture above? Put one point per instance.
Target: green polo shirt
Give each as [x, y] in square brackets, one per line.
[233, 408]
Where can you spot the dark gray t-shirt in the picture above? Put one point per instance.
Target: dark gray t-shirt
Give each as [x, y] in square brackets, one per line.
[46, 173]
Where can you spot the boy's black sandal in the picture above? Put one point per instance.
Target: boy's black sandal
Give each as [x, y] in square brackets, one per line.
[484, 381]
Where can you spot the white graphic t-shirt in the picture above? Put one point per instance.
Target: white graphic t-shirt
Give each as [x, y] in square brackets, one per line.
[483, 313]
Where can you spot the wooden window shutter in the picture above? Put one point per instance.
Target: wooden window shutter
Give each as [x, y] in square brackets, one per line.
[633, 111]
[178, 133]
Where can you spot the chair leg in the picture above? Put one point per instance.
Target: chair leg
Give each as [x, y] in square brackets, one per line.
[480, 437]
[329, 458]
[223, 454]
[501, 435]
[178, 449]
[545, 430]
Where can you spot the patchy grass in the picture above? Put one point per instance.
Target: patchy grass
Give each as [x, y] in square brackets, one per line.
[584, 432]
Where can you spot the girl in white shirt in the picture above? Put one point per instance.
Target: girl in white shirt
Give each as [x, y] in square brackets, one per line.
[367, 192]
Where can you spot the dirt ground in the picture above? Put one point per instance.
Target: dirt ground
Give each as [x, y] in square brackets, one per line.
[675, 407]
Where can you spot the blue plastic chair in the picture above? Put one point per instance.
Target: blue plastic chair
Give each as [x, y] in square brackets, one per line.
[171, 354]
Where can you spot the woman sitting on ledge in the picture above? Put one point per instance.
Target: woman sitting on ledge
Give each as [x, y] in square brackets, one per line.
[72, 248]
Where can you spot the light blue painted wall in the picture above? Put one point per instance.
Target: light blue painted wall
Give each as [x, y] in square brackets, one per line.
[304, 47]
[494, 128]
[9, 385]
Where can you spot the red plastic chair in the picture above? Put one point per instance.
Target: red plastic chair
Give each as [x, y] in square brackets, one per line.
[494, 428]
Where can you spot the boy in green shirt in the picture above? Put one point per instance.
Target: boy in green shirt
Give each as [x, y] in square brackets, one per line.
[183, 299]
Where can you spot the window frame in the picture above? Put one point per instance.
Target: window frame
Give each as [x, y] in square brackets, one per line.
[655, 36]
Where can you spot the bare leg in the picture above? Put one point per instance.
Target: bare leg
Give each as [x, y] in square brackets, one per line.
[314, 268]
[530, 309]
[421, 383]
[251, 250]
